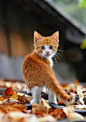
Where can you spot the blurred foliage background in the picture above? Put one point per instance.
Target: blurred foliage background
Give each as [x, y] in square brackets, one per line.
[75, 8]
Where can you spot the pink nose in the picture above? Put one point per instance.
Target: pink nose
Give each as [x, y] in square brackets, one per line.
[47, 52]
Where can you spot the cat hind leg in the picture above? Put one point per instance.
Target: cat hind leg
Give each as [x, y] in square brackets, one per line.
[52, 97]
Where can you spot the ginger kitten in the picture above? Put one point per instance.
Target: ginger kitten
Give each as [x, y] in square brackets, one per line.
[38, 72]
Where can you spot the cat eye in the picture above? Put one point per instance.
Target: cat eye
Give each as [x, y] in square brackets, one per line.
[42, 47]
[50, 47]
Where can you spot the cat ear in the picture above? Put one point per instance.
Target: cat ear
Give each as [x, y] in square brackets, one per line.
[55, 36]
[37, 36]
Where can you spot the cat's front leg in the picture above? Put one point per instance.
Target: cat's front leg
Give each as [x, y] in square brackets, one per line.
[36, 93]
[52, 97]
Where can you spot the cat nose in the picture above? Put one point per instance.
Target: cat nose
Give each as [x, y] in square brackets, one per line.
[47, 52]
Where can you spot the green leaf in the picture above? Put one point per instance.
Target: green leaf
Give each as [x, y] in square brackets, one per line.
[83, 45]
[82, 3]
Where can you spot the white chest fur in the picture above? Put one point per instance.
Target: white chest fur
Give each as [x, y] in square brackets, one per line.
[51, 62]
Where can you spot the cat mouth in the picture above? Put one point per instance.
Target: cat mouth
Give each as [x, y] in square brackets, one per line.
[47, 55]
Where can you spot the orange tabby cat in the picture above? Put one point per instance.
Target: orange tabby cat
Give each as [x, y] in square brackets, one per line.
[37, 69]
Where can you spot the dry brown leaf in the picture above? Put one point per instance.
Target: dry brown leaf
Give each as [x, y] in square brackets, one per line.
[71, 115]
[24, 98]
[48, 118]
[57, 113]
[38, 108]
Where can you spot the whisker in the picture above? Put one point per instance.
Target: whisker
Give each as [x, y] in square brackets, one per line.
[58, 57]
[59, 54]
[55, 59]
[60, 50]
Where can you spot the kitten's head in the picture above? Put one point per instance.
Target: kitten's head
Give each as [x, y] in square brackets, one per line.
[46, 46]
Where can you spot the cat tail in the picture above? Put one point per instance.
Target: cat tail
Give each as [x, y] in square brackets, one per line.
[56, 88]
